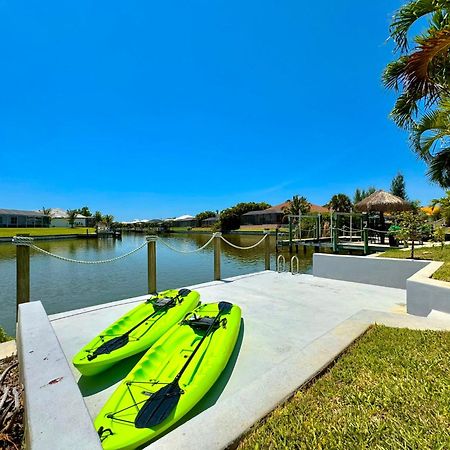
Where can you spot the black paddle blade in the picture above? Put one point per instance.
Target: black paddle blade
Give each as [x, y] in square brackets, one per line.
[225, 307]
[158, 407]
[109, 346]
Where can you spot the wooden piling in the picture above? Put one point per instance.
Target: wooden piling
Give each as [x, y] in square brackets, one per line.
[290, 234]
[217, 242]
[335, 240]
[22, 274]
[365, 234]
[151, 264]
[267, 250]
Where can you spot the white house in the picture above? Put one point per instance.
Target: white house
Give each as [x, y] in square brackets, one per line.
[59, 218]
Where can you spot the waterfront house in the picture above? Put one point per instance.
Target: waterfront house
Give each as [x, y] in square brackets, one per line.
[184, 221]
[60, 219]
[210, 221]
[17, 218]
[274, 214]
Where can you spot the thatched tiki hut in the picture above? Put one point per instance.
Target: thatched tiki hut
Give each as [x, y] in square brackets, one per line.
[382, 202]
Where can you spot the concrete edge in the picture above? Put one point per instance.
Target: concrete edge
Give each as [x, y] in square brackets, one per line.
[424, 294]
[56, 415]
[427, 272]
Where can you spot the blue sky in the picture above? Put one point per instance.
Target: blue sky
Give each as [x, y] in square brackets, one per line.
[154, 109]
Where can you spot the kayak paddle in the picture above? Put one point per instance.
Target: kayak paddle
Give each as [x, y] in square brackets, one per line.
[122, 340]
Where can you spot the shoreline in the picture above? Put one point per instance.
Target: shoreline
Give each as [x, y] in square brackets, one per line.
[8, 240]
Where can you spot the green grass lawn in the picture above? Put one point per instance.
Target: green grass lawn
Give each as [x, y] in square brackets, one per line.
[434, 253]
[10, 232]
[390, 390]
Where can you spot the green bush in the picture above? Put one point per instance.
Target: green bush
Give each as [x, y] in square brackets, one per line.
[4, 336]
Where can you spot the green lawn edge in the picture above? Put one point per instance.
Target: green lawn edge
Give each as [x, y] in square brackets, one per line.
[59, 231]
[389, 390]
[435, 253]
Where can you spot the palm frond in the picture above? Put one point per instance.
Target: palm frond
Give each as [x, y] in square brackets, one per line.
[436, 122]
[404, 111]
[408, 14]
[393, 73]
[439, 168]
[417, 76]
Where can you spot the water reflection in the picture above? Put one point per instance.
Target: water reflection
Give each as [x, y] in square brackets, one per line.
[64, 286]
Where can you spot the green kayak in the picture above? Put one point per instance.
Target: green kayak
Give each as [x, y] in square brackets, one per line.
[135, 331]
[171, 378]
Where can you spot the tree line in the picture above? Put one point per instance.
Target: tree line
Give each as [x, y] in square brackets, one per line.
[230, 218]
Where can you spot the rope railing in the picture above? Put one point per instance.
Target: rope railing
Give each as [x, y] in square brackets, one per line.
[25, 243]
[28, 241]
[244, 248]
[22, 240]
[377, 231]
[187, 251]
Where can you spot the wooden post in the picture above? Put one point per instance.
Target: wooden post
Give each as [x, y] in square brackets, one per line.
[23, 274]
[335, 240]
[365, 234]
[317, 228]
[290, 234]
[217, 239]
[151, 263]
[267, 250]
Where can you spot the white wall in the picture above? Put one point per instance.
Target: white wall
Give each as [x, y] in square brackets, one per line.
[60, 223]
[389, 272]
[423, 294]
[64, 223]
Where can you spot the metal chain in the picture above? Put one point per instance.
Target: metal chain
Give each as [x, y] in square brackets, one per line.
[244, 248]
[187, 251]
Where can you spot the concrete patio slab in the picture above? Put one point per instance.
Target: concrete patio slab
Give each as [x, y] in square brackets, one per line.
[290, 331]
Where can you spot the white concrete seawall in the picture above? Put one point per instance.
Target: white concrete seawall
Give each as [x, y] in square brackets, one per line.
[389, 272]
[423, 294]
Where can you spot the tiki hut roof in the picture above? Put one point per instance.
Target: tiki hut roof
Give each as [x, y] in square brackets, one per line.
[382, 201]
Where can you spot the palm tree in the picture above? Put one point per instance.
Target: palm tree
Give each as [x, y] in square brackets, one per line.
[340, 203]
[421, 75]
[298, 205]
[422, 78]
[108, 219]
[98, 217]
[71, 216]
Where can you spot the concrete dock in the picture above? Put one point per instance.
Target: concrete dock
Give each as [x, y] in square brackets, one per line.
[292, 327]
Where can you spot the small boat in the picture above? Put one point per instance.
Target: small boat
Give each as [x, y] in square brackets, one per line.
[135, 331]
[171, 378]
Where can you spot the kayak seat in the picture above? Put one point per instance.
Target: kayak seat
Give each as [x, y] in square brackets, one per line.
[163, 303]
[201, 322]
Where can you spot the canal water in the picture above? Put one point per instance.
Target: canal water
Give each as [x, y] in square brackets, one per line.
[63, 286]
